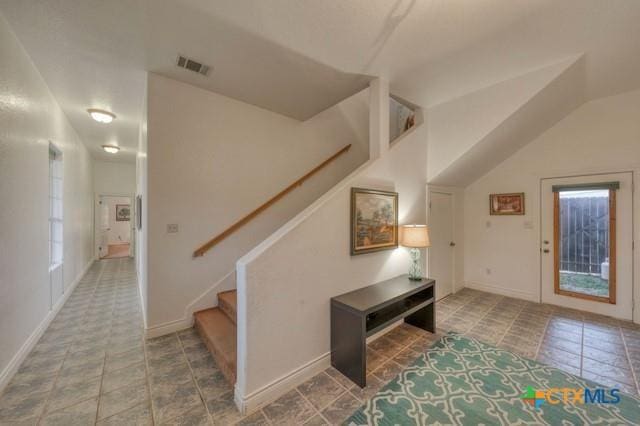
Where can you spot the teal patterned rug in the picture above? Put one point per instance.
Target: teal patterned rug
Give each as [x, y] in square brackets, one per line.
[462, 381]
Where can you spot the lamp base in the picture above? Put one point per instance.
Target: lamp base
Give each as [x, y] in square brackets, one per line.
[415, 270]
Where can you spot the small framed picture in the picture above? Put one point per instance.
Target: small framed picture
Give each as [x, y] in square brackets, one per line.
[374, 220]
[123, 212]
[506, 204]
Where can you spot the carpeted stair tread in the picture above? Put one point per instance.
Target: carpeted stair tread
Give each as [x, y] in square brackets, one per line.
[219, 334]
[227, 302]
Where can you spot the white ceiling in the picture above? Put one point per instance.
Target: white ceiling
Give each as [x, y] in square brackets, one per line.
[297, 57]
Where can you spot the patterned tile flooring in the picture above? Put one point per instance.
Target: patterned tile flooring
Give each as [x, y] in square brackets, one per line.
[92, 366]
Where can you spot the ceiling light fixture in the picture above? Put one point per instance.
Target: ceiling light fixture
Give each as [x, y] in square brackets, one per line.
[111, 149]
[101, 116]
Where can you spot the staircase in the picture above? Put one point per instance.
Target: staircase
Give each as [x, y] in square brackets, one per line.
[217, 327]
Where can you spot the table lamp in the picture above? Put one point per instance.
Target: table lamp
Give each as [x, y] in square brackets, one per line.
[415, 237]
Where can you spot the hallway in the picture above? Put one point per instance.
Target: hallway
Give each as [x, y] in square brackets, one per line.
[92, 366]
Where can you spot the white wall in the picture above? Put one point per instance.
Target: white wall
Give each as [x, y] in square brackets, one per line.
[212, 160]
[600, 136]
[285, 284]
[470, 135]
[114, 178]
[30, 118]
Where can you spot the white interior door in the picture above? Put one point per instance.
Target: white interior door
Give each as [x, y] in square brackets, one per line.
[582, 267]
[103, 230]
[442, 244]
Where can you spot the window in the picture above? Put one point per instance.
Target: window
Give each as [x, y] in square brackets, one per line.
[585, 232]
[55, 208]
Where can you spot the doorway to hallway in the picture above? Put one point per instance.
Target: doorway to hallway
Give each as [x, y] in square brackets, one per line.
[114, 232]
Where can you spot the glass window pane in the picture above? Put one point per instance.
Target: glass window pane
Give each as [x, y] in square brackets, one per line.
[57, 253]
[56, 188]
[57, 232]
[584, 242]
[57, 209]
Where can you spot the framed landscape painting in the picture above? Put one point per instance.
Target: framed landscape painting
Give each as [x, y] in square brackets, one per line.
[374, 220]
[506, 204]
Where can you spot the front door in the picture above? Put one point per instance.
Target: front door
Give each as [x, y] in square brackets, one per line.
[442, 245]
[586, 235]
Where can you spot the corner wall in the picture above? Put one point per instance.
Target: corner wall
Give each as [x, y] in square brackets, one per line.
[30, 118]
[212, 160]
[600, 136]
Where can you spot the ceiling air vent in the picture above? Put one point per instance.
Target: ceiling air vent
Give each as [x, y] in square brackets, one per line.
[191, 65]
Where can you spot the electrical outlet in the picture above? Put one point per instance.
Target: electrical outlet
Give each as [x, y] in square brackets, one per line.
[488, 224]
[488, 271]
[172, 228]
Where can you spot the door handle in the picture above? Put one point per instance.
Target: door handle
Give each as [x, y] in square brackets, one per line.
[545, 251]
[452, 244]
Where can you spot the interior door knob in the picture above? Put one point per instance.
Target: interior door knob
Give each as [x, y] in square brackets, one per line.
[545, 251]
[452, 244]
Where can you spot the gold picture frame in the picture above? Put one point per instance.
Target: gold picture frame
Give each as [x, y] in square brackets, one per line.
[506, 204]
[374, 220]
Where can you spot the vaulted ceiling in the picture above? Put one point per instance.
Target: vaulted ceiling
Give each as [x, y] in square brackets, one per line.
[297, 57]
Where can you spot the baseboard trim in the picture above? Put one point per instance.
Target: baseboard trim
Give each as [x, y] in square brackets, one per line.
[518, 294]
[285, 383]
[168, 327]
[17, 360]
[278, 387]
[208, 299]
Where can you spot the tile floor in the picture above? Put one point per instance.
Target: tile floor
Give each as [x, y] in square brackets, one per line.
[92, 366]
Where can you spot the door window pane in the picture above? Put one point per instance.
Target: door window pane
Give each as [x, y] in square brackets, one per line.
[584, 239]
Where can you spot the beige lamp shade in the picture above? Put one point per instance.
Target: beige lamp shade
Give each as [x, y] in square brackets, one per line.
[416, 236]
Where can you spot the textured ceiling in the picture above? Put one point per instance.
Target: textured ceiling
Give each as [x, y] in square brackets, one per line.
[297, 57]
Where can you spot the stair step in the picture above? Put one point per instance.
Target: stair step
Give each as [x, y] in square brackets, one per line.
[227, 302]
[219, 334]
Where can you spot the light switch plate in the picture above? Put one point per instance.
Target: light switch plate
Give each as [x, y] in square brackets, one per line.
[172, 228]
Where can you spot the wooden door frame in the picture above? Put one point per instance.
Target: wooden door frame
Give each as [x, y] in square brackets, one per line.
[612, 252]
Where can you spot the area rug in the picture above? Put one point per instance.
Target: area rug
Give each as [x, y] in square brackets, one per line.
[462, 381]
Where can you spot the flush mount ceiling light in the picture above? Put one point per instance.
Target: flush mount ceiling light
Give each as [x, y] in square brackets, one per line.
[111, 149]
[101, 116]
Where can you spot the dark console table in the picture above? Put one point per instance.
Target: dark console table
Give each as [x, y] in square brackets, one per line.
[364, 312]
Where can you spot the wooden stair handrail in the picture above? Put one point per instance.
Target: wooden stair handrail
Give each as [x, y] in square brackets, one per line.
[208, 245]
